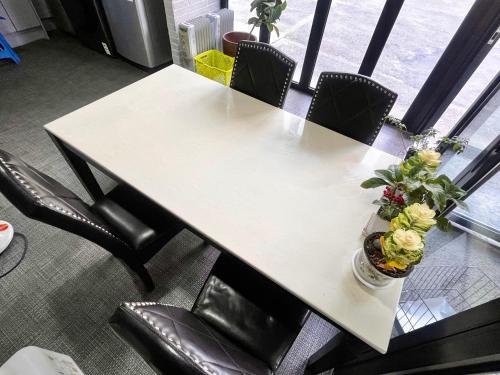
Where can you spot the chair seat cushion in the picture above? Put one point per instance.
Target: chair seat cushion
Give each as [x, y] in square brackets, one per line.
[175, 341]
[137, 234]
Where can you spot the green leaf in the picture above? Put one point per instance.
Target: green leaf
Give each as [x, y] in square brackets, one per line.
[275, 13]
[277, 31]
[413, 185]
[439, 200]
[443, 180]
[396, 170]
[443, 224]
[253, 21]
[415, 170]
[373, 183]
[254, 4]
[269, 27]
[385, 175]
[379, 202]
[433, 188]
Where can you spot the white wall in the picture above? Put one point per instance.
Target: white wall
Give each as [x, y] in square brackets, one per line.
[178, 11]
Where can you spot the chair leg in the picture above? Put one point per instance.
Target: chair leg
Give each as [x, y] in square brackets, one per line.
[146, 278]
[137, 269]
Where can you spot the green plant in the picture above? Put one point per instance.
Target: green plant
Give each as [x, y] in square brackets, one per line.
[457, 144]
[404, 244]
[428, 139]
[416, 181]
[268, 13]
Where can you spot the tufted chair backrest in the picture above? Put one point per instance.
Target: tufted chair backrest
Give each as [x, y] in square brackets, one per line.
[262, 72]
[41, 198]
[251, 310]
[351, 104]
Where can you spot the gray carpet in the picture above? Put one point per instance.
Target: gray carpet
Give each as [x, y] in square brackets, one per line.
[64, 291]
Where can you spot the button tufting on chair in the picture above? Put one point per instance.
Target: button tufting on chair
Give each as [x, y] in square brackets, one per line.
[190, 345]
[262, 72]
[109, 223]
[351, 104]
[241, 324]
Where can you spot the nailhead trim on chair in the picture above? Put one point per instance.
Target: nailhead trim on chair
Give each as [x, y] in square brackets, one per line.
[351, 77]
[135, 307]
[275, 52]
[33, 192]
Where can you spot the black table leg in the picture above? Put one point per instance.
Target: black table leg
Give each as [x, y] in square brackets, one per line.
[342, 348]
[81, 169]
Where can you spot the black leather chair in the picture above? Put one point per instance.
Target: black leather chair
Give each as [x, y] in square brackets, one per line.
[351, 104]
[132, 236]
[240, 324]
[262, 72]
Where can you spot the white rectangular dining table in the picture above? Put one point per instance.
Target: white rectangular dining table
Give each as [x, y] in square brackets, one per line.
[278, 192]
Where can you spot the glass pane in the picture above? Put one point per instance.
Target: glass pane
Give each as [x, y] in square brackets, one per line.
[294, 25]
[347, 34]
[484, 204]
[460, 268]
[481, 131]
[471, 90]
[420, 35]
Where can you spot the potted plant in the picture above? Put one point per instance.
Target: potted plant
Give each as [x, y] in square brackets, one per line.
[390, 255]
[414, 180]
[267, 14]
[428, 139]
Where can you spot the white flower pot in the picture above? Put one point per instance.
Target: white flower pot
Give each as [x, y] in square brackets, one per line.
[5, 235]
[368, 274]
[375, 224]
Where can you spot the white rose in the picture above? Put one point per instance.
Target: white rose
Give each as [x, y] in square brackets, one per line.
[430, 157]
[407, 239]
[421, 214]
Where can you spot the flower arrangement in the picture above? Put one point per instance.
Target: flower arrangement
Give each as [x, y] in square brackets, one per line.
[393, 253]
[415, 180]
[414, 194]
[403, 245]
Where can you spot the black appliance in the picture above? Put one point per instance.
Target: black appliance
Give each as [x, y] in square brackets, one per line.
[89, 21]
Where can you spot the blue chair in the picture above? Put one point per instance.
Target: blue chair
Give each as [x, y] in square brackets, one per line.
[6, 51]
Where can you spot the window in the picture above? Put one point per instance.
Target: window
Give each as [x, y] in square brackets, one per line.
[347, 35]
[417, 41]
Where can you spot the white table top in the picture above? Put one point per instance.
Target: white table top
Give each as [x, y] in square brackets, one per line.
[277, 191]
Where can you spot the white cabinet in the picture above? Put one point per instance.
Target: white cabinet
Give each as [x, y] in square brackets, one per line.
[21, 24]
[6, 25]
[22, 14]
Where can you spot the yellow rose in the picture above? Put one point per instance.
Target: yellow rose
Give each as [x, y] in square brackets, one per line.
[407, 239]
[421, 214]
[430, 157]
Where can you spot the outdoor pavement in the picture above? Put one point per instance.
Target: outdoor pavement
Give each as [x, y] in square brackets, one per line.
[420, 35]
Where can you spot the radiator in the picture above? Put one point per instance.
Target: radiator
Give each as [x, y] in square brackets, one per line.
[195, 36]
[202, 34]
[222, 22]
